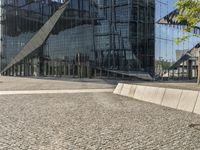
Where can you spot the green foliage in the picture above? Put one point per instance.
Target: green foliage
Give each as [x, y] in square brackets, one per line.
[189, 12]
[184, 38]
[181, 39]
[164, 64]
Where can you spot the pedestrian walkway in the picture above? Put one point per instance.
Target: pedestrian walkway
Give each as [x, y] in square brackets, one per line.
[41, 114]
[55, 91]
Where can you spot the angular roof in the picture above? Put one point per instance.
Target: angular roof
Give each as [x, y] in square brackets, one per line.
[188, 55]
[170, 19]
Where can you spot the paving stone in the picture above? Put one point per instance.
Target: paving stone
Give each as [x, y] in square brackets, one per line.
[93, 121]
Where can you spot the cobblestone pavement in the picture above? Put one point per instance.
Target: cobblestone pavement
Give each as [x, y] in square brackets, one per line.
[93, 121]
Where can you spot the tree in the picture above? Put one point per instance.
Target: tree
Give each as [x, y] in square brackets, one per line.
[189, 14]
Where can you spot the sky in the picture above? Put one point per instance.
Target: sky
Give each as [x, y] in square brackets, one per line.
[167, 34]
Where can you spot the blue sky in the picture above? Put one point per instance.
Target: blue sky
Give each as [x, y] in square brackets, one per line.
[166, 34]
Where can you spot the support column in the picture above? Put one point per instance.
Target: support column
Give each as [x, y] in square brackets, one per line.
[9, 71]
[122, 76]
[20, 70]
[195, 69]
[45, 68]
[79, 70]
[189, 69]
[13, 70]
[64, 69]
[69, 70]
[82, 71]
[108, 74]
[73, 67]
[168, 74]
[23, 68]
[24, 61]
[49, 70]
[38, 67]
[183, 66]
[95, 73]
[88, 70]
[60, 69]
[35, 67]
[55, 68]
[100, 73]
[178, 69]
[32, 67]
[26, 67]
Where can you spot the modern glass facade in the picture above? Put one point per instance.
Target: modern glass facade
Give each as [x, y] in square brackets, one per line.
[91, 37]
[167, 52]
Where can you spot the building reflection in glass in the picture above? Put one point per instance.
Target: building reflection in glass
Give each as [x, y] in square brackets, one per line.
[91, 36]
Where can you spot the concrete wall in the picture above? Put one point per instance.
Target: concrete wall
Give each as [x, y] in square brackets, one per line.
[185, 100]
[126, 89]
[171, 98]
[118, 89]
[188, 100]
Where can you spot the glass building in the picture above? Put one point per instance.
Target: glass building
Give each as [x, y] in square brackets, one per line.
[87, 38]
[167, 52]
[91, 37]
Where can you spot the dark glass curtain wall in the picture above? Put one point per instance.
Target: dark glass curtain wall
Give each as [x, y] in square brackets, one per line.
[91, 35]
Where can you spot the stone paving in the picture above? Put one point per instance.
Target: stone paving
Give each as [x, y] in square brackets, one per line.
[93, 121]
[20, 83]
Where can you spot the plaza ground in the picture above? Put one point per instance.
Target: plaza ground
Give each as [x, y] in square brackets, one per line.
[94, 120]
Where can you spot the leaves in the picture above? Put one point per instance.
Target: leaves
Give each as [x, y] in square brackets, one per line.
[181, 39]
[189, 12]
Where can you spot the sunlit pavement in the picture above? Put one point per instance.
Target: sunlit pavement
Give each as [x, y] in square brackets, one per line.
[89, 119]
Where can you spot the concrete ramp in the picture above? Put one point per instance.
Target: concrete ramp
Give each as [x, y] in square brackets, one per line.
[132, 91]
[118, 89]
[185, 100]
[149, 93]
[188, 100]
[126, 89]
[139, 92]
[171, 98]
[153, 94]
[157, 96]
[197, 105]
